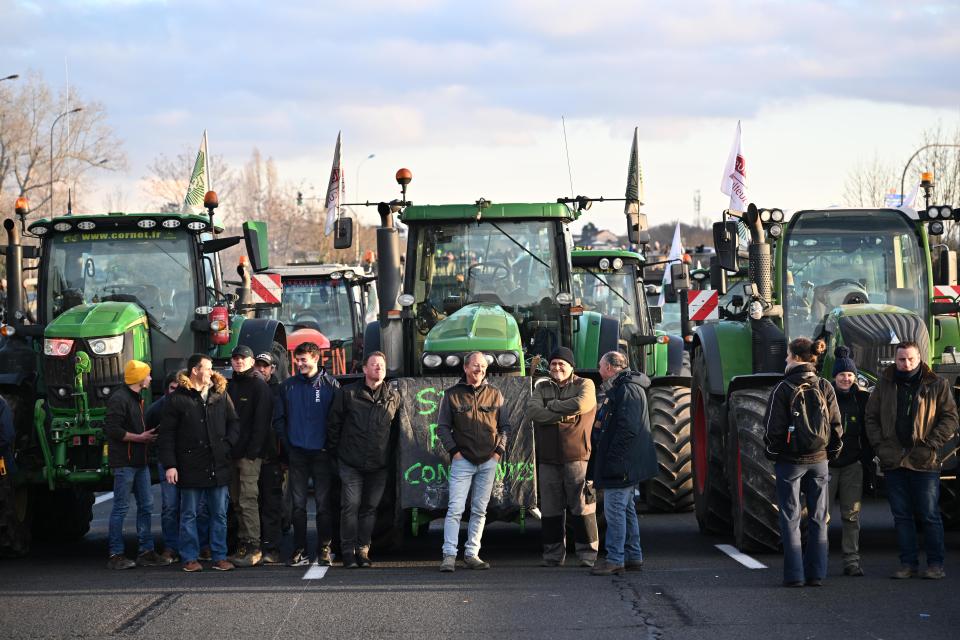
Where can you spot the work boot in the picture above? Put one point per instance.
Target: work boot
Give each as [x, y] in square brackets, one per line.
[363, 558]
[271, 557]
[223, 565]
[607, 568]
[170, 555]
[550, 562]
[634, 565]
[934, 572]
[151, 559]
[120, 561]
[587, 562]
[192, 567]
[350, 560]
[853, 570]
[474, 562]
[240, 552]
[449, 564]
[248, 555]
[905, 572]
[324, 558]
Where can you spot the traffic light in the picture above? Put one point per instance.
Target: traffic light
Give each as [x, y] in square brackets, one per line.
[299, 198]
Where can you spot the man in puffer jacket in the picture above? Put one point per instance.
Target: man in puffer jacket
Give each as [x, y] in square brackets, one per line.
[197, 432]
[910, 415]
[562, 409]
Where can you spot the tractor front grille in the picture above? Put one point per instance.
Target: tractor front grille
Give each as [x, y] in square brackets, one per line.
[106, 372]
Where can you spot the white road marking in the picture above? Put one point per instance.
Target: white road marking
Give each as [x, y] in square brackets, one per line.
[742, 558]
[103, 497]
[316, 572]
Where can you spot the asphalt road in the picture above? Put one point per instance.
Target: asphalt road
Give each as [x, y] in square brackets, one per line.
[688, 589]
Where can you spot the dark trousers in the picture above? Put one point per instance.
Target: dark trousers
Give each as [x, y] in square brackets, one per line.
[305, 465]
[271, 505]
[914, 496]
[360, 494]
[801, 564]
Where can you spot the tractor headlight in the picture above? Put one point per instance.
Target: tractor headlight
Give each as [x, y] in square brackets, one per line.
[604, 263]
[489, 358]
[431, 360]
[57, 347]
[452, 360]
[933, 212]
[775, 231]
[618, 263]
[936, 228]
[946, 212]
[107, 346]
[507, 359]
[564, 297]
[776, 215]
[406, 299]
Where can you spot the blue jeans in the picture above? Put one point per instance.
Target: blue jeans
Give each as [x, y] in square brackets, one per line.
[916, 494]
[125, 481]
[216, 499]
[813, 480]
[170, 515]
[623, 527]
[463, 475]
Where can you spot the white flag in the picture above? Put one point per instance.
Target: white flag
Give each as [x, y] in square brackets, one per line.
[676, 255]
[910, 201]
[734, 182]
[199, 180]
[333, 190]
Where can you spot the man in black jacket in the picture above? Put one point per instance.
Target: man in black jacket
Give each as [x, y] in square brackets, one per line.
[197, 431]
[254, 405]
[128, 439]
[271, 470]
[359, 430]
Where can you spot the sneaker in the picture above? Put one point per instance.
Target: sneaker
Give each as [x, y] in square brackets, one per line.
[904, 572]
[474, 562]
[636, 565]
[205, 554]
[363, 558]
[607, 568]
[120, 561]
[299, 559]
[324, 558]
[449, 564]
[547, 562]
[814, 582]
[587, 562]
[192, 566]
[223, 565]
[350, 560]
[171, 555]
[853, 570]
[934, 572]
[251, 556]
[272, 557]
[151, 559]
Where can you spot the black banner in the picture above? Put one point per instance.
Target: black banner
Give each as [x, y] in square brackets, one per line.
[425, 465]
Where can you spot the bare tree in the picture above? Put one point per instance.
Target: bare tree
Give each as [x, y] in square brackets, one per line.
[168, 178]
[868, 183]
[82, 142]
[944, 163]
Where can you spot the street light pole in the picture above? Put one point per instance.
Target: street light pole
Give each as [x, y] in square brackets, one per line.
[903, 178]
[356, 190]
[12, 76]
[55, 121]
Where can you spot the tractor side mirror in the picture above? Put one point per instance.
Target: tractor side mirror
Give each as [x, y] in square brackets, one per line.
[343, 233]
[258, 247]
[656, 315]
[718, 276]
[680, 276]
[948, 267]
[637, 232]
[727, 243]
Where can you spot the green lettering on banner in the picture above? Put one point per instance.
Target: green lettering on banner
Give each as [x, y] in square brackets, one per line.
[434, 440]
[430, 405]
[411, 470]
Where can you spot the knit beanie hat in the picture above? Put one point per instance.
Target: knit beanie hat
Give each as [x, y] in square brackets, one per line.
[843, 361]
[563, 353]
[135, 372]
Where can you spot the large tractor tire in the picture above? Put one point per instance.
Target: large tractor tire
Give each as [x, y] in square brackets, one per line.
[282, 358]
[672, 489]
[711, 491]
[62, 515]
[950, 503]
[753, 485]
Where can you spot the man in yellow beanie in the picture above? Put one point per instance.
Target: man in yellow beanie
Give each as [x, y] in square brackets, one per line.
[128, 437]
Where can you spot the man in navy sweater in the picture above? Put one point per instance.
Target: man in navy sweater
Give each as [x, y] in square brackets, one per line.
[302, 420]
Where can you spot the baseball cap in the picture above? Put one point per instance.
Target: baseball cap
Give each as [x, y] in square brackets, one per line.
[266, 357]
[242, 350]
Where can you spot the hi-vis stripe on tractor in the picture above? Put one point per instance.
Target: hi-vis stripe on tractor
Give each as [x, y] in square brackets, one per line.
[946, 291]
[266, 288]
[703, 305]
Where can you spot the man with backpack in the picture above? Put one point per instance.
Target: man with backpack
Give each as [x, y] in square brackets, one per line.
[803, 432]
[910, 415]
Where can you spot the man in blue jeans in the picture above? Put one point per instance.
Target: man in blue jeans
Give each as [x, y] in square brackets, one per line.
[910, 415]
[473, 428]
[128, 439]
[625, 456]
[198, 428]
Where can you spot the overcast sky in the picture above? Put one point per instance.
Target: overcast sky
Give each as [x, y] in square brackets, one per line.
[470, 95]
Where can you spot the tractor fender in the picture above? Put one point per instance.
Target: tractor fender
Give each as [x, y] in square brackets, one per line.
[670, 381]
[676, 364]
[260, 333]
[753, 381]
[706, 338]
[727, 352]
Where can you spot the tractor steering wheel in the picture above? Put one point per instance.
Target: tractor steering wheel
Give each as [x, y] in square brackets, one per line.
[488, 272]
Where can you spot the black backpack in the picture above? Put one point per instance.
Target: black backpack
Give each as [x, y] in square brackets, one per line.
[809, 428]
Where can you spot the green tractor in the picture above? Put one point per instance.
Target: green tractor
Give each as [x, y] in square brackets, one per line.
[610, 282]
[860, 278]
[111, 288]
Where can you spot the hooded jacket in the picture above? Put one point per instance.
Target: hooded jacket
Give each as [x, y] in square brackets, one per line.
[934, 414]
[777, 419]
[303, 412]
[472, 422]
[254, 405]
[625, 453]
[360, 424]
[196, 435]
[563, 419]
[125, 415]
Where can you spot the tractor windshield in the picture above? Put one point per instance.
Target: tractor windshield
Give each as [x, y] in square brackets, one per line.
[321, 304]
[841, 257]
[149, 268]
[509, 263]
[612, 293]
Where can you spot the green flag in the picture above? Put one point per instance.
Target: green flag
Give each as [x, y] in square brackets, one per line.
[199, 181]
[634, 194]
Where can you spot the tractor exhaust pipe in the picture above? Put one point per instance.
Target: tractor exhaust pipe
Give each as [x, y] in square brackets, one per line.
[761, 259]
[14, 309]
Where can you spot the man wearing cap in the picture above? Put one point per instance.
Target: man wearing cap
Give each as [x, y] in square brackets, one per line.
[128, 440]
[562, 408]
[254, 405]
[271, 471]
